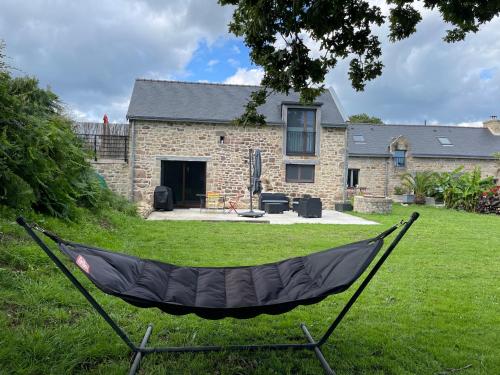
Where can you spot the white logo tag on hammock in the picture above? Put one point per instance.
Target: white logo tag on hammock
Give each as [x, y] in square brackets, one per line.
[82, 263]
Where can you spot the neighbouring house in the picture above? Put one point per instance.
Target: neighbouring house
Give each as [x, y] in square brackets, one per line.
[182, 135]
[380, 154]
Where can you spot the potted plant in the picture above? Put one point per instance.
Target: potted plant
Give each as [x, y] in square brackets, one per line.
[421, 183]
[402, 195]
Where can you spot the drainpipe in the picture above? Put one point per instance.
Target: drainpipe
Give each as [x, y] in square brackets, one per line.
[346, 166]
[386, 185]
[132, 159]
[387, 164]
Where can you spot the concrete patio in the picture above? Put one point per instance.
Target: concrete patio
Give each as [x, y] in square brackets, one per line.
[288, 217]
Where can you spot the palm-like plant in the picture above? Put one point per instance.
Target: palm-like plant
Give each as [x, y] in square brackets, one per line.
[461, 190]
[421, 183]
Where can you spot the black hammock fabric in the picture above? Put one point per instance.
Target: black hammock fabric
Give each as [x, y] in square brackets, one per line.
[215, 293]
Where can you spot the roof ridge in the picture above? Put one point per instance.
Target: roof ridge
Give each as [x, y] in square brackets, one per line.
[420, 126]
[194, 83]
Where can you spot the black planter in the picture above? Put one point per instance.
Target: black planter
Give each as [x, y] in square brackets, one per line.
[343, 206]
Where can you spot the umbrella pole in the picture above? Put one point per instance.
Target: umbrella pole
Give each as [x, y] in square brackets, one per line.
[252, 179]
[250, 186]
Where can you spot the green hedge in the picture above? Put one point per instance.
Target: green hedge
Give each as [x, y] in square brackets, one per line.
[42, 162]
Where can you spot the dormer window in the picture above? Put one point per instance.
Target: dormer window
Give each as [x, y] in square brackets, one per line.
[301, 131]
[358, 138]
[400, 158]
[444, 141]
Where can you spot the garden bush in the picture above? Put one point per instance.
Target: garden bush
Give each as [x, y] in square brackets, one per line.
[462, 190]
[42, 162]
[489, 201]
[420, 183]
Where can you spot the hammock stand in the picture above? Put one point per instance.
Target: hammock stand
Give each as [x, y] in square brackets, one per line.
[141, 350]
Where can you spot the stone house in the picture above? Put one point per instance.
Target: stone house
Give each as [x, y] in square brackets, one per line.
[380, 154]
[182, 136]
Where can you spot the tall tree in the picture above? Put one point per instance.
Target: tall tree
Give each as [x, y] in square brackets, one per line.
[3, 64]
[42, 162]
[279, 34]
[363, 118]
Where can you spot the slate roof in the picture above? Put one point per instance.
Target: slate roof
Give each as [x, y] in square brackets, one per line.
[209, 102]
[478, 143]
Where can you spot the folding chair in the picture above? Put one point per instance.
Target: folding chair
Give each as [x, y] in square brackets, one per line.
[212, 201]
[233, 203]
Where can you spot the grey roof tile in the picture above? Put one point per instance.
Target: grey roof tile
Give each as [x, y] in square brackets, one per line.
[209, 102]
[423, 140]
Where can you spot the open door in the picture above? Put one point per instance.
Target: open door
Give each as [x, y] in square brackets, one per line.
[186, 178]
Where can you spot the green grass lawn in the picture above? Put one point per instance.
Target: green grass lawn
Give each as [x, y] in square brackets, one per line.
[432, 308]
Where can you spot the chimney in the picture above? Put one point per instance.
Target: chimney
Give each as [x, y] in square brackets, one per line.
[493, 125]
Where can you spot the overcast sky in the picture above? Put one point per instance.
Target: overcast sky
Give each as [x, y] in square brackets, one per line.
[89, 53]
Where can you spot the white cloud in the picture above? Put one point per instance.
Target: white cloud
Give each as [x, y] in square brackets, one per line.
[474, 124]
[233, 62]
[212, 62]
[90, 52]
[245, 76]
[426, 79]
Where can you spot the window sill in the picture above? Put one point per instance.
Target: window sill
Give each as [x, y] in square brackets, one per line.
[302, 161]
[300, 154]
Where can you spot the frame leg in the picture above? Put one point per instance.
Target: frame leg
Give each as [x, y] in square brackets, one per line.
[368, 278]
[138, 355]
[317, 350]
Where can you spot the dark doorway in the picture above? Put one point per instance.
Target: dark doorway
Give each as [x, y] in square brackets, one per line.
[186, 178]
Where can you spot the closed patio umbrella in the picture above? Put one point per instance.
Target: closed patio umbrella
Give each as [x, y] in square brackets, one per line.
[257, 170]
[255, 186]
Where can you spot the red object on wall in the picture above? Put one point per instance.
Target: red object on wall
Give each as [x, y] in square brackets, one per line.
[105, 119]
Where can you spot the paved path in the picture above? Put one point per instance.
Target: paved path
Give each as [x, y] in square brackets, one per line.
[288, 217]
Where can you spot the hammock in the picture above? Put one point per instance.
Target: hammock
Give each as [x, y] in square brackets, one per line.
[215, 293]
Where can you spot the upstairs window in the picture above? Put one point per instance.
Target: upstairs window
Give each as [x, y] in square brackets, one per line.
[400, 158]
[445, 141]
[301, 131]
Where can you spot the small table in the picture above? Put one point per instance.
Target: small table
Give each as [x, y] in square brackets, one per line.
[273, 207]
[281, 202]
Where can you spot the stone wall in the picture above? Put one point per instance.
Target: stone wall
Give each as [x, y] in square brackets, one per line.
[116, 174]
[372, 205]
[376, 173]
[372, 173]
[227, 168]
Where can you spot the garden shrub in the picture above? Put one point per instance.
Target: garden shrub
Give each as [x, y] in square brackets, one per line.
[420, 183]
[42, 162]
[489, 201]
[399, 190]
[462, 190]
